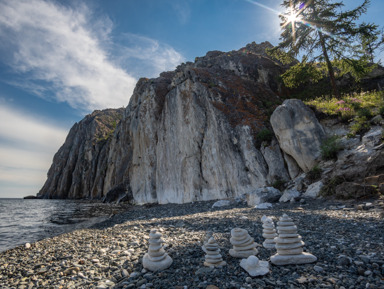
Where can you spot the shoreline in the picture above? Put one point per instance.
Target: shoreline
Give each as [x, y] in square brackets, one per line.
[348, 241]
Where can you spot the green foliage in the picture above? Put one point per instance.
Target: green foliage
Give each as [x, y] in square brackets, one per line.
[360, 126]
[279, 184]
[264, 135]
[350, 106]
[301, 73]
[324, 33]
[315, 173]
[381, 111]
[330, 147]
[329, 189]
[364, 112]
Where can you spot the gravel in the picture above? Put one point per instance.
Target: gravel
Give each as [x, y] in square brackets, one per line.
[347, 238]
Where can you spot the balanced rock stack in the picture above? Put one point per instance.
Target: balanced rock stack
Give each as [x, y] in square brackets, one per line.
[213, 257]
[156, 259]
[269, 233]
[208, 236]
[289, 245]
[243, 245]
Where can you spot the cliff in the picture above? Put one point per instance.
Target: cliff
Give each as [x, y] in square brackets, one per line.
[188, 135]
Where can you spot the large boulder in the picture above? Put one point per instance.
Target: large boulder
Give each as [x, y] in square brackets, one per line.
[299, 132]
[263, 195]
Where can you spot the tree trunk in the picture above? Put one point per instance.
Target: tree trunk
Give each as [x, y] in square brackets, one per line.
[329, 66]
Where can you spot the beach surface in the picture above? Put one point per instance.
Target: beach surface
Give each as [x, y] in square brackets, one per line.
[346, 237]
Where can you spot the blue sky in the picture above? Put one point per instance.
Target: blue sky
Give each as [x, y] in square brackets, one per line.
[60, 60]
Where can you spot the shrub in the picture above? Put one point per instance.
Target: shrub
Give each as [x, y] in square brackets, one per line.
[360, 126]
[264, 135]
[330, 147]
[315, 173]
[364, 112]
[329, 188]
[381, 111]
[279, 184]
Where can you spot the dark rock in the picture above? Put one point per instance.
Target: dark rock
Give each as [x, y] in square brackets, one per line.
[349, 190]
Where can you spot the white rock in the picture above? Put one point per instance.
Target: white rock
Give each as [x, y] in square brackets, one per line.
[221, 203]
[299, 132]
[263, 206]
[27, 245]
[288, 195]
[373, 137]
[254, 266]
[313, 191]
[263, 195]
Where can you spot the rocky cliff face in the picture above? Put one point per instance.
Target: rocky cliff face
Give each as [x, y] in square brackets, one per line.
[188, 135]
[78, 166]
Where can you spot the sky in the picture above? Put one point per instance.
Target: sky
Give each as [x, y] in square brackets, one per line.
[60, 60]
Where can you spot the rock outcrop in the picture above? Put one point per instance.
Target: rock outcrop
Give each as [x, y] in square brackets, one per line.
[79, 166]
[188, 135]
[299, 132]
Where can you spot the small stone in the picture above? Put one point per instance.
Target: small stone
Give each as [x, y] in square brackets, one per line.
[368, 272]
[318, 269]
[27, 245]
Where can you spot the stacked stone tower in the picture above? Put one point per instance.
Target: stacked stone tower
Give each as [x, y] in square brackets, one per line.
[156, 259]
[243, 245]
[289, 245]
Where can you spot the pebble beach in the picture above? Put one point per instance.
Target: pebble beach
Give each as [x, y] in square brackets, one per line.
[346, 237]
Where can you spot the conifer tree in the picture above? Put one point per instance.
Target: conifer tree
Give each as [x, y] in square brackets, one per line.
[324, 33]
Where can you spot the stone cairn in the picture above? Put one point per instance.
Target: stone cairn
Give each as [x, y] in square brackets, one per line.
[254, 266]
[156, 259]
[269, 233]
[289, 245]
[213, 257]
[208, 236]
[243, 245]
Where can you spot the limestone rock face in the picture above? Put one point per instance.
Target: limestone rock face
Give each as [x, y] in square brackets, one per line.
[79, 167]
[185, 136]
[299, 132]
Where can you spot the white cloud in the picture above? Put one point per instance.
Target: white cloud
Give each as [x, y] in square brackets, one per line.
[62, 53]
[148, 56]
[27, 147]
[182, 10]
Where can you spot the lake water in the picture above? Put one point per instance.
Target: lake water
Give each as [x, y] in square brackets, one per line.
[26, 221]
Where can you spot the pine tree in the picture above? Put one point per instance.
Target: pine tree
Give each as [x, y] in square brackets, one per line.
[325, 33]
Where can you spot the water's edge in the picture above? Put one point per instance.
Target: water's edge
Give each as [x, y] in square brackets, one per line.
[31, 220]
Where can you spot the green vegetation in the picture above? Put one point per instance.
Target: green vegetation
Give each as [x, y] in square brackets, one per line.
[330, 147]
[330, 39]
[264, 135]
[315, 173]
[329, 189]
[357, 109]
[279, 184]
[359, 126]
[350, 106]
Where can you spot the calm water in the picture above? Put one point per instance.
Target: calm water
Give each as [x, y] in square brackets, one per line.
[25, 221]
